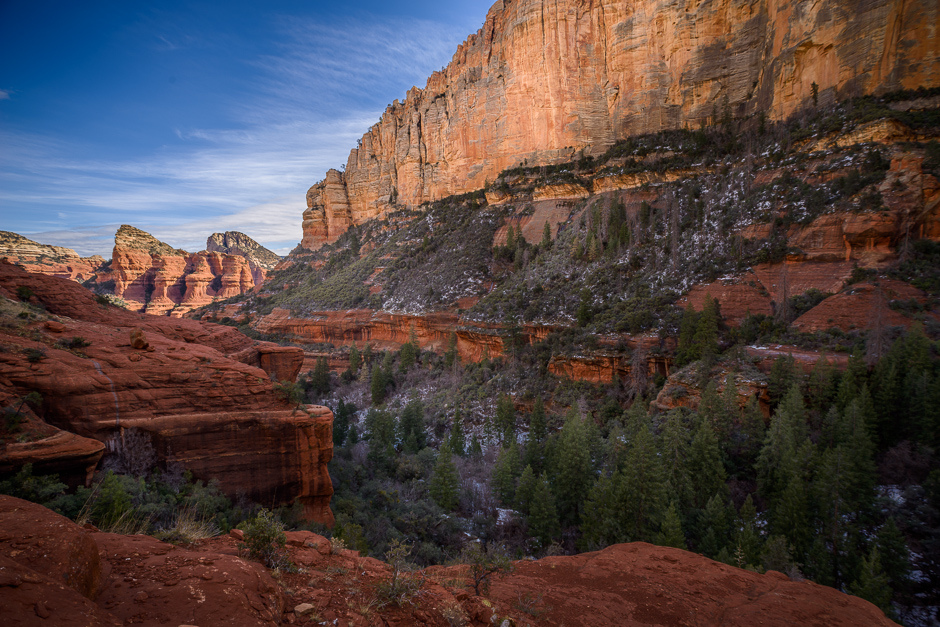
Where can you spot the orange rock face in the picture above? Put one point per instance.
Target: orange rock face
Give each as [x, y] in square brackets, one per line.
[153, 277]
[542, 79]
[201, 391]
[52, 260]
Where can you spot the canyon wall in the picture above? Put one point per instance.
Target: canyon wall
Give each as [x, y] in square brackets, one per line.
[202, 393]
[543, 79]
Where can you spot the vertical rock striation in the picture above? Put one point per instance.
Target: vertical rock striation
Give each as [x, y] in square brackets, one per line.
[543, 79]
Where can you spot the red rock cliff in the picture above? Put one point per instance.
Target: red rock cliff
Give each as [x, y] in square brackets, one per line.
[200, 391]
[545, 78]
[159, 279]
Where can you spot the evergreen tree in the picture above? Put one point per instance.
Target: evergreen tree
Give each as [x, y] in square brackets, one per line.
[747, 536]
[894, 554]
[730, 414]
[408, 356]
[546, 237]
[603, 520]
[705, 341]
[538, 432]
[320, 377]
[355, 360]
[670, 533]
[379, 385]
[543, 517]
[750, 436]
[411, 427]
[506, 419]
[445, 483]
[525, 488]
[456, 440]
[674, 452]
[715, 526]
[644, 488]
[451, 356]
[344, 412]
[872, 583]
[572, 472]
[781, 379]
[505, 472]
[685, 351]
[706, 470]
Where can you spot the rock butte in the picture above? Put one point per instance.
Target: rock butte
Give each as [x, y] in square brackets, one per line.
[543, 79]
[201, 391]
[156, 278]
[53, 260]
[51, 568]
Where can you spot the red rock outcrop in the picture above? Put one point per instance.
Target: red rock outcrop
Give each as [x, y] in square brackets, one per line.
[683, 389]
[150, 582]
[542, 80]
[153, 277]
[54, 572]
[260, 259]
[189, 385]
[52, 260]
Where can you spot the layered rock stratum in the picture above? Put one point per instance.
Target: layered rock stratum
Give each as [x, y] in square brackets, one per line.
[201, 393]
[544, 79]
[154, 277]
[53, 260]
[54, 570]
[260, 259]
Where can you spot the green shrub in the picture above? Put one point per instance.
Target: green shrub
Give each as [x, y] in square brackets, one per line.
[265, 540]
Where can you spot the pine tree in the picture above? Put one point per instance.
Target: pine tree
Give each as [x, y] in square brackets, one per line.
[747, 536]
[451, 356]
[674, 452]
[525, 488]
[670, 533]
[381, 434]
[872, 583]
[379, 384]
[408, 356]
[781, 378]
[543, 516]
[505, 472]
[506, 419]
[538, 432]
[572, 476]
[510, 238]
[895, 556]
[445, 483]
[751, 435]
[546, 237]
[341, 422]
[644, 488]
[715, 525]
[685, 351]
[706, 470]
[705, 340]
[603, 520]
[456, 440]
[355, 361]
[476, 450]
[411, 427]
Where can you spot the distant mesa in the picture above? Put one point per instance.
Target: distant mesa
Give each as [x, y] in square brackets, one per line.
[150, 275]
[57, 261]
[154, 277]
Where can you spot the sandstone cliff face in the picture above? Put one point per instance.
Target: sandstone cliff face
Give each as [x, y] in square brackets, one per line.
[545, 78]
[52, 260]
[260, 259]
[152, 276]
[200, 391]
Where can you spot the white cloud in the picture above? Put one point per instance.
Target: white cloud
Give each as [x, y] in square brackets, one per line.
[4, 94]
[328, 85]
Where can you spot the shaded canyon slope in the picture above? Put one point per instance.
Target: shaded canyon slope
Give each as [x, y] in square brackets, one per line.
[54, 569]
[544, 79]
[201, 392]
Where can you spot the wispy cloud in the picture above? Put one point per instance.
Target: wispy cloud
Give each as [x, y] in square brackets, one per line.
[304, 109]
[4, 94]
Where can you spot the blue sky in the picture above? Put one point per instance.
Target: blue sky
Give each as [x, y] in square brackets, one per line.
[186, 118]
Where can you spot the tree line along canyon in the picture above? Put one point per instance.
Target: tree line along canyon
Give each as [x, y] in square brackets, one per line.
[629, 316]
